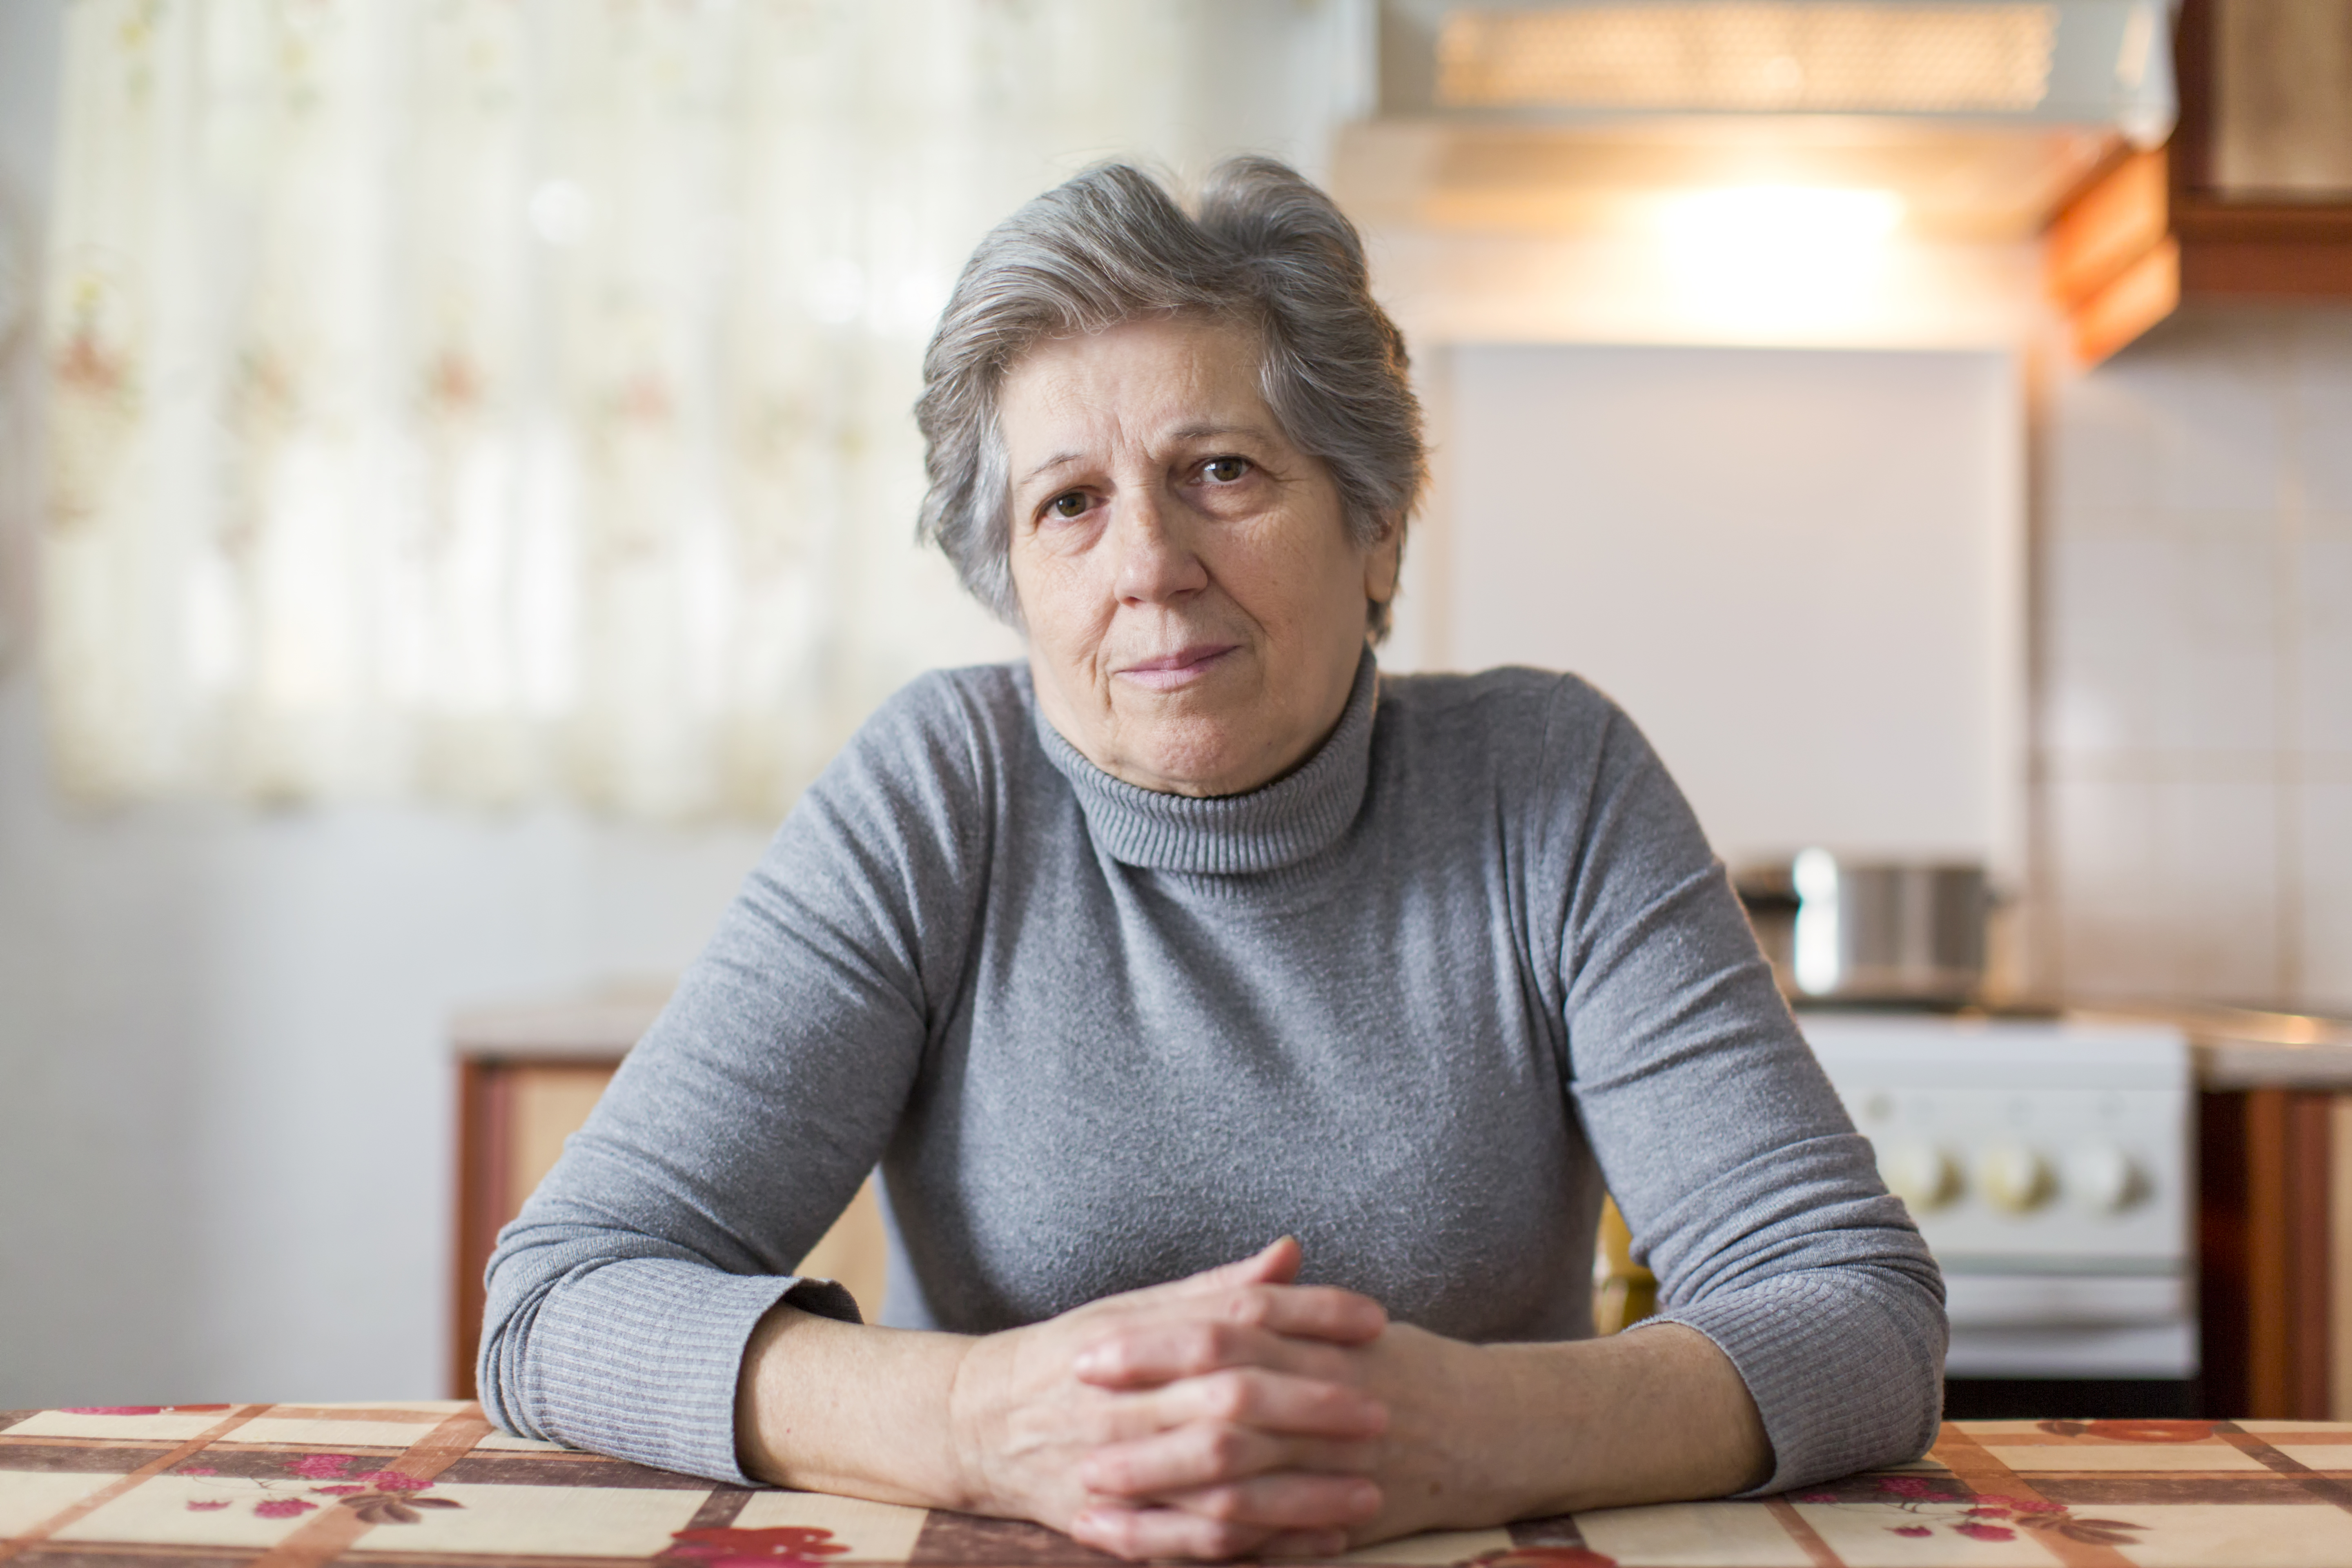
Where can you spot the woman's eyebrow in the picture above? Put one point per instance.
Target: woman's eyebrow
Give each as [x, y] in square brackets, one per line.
[1203, 432]
[1058, 460]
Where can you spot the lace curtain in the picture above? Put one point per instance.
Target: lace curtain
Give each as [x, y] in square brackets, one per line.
[501, 401]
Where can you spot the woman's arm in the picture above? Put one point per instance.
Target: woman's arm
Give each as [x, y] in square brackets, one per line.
[1006, 1424]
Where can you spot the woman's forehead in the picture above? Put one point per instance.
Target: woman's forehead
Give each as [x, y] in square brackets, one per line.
[1157, 379]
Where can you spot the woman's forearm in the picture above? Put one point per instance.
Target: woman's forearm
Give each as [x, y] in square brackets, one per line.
[830, 1406]
[1651, 1415]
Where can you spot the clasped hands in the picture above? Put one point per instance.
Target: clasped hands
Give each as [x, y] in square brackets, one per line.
[1232, 1412]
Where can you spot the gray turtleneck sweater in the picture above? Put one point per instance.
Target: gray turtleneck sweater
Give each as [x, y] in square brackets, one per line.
[1416, 1004]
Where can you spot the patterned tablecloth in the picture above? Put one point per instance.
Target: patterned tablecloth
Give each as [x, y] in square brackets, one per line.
[297, 1486]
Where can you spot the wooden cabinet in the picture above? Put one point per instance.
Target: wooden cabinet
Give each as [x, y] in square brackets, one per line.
[2274, 1221]
[527, 1079]
[2252, 198]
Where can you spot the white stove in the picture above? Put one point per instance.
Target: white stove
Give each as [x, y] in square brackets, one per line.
[2050, 1165]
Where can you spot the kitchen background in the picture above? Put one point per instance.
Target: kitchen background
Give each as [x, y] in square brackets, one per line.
[225, 1143]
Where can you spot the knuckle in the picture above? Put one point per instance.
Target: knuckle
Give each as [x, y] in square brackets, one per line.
[1227, 1448]
[1229, 1395]
[1251, 1305]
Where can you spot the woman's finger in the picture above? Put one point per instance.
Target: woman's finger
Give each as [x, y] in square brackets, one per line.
[1206, 1454]
[1287, 1501]
[1164, 1532]
[1276, 1263]
[1139, 1350]
[1273, 1402]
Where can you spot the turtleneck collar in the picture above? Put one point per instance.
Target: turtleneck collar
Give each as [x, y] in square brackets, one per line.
[1281, 824]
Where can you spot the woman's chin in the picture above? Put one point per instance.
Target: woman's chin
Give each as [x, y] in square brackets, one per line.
[1194, 757]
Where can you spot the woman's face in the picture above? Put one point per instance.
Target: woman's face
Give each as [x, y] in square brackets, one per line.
[1195, 605]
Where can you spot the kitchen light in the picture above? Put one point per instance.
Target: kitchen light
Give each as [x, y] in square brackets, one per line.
[1761, 258]
[1784, 217]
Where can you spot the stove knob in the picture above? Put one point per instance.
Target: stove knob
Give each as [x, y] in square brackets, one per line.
[2013, 1177]
[2102, 1179]
[1921, 1175]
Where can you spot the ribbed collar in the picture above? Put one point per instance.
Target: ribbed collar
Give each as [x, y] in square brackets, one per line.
[1297, 815]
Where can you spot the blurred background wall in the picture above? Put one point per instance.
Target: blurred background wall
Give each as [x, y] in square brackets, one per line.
[2194, 682]
[223, 1103]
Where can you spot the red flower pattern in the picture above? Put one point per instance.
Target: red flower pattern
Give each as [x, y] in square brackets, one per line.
[392, 1481]
[321, 1467]
[282, 1508]
[1976, 1532]
[755, 1548]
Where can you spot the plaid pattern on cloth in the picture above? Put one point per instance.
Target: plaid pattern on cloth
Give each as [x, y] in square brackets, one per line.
[298, 1485]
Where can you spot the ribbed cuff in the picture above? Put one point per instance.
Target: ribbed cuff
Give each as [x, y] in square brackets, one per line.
[1847, 1374]
[639, 1359]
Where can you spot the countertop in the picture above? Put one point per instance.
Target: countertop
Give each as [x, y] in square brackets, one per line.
[2234, 1048]
[432, 1485]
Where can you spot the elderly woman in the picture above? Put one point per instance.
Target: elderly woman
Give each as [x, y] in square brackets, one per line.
[1191, 933]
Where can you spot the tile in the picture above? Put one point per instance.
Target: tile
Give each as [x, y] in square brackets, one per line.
[876, 1531]
[2218, 866]
[2323, 586]
[2164, 637]
[2107, 601]
[2099, 448]
[2216, 395]
[2221, 641]
[198, 1512]
[1864, 1536]
[543, 1521]
[2333, 1457]
[2244, 1535]
[2324, 897]
[327, 1434]
[2165, 886]
[2105, 886]
[1702, 1535]
[1440, 1547]
[29, 1498]
[2084, 1458]
[2320, 361]
[170, 1427]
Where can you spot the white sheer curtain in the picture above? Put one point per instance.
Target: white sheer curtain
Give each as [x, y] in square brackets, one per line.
[501, 401]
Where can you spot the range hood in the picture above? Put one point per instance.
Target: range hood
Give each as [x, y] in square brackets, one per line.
[1958, 119]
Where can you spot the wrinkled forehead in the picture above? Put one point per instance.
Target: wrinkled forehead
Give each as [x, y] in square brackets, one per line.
[1143, 379]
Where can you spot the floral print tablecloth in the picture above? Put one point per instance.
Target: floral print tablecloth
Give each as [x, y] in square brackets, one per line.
[295, 1485]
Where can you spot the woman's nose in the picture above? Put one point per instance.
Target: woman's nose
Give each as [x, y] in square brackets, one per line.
[1156, 562]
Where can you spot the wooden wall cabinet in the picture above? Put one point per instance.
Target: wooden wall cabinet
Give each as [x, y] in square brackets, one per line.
[2250, 199]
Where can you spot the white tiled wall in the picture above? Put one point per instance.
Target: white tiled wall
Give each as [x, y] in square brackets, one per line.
[2195, 664]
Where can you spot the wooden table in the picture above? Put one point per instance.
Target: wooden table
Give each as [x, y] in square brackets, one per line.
[295, 1485]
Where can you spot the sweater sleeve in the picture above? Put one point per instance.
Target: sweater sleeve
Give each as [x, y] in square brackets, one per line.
[1745, 1187]
[621, 1298]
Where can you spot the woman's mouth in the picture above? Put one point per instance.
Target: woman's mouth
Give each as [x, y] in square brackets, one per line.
[1169, 671]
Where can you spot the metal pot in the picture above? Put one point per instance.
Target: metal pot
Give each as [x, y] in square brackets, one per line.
[1843, 930]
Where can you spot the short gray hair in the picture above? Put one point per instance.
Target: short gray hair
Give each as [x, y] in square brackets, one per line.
[1264, 249]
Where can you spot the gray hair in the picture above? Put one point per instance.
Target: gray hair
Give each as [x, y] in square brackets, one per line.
[1265, 250]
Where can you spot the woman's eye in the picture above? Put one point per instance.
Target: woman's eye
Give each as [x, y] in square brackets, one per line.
[1225, 470]
[1067, 506]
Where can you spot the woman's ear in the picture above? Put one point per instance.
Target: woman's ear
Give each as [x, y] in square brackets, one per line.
[1383, 561]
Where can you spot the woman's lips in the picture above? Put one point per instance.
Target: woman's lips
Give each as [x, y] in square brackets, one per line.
[1182, 667]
